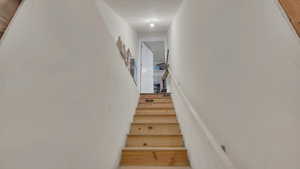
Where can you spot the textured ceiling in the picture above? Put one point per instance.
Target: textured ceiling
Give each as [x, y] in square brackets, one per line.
[139, 13]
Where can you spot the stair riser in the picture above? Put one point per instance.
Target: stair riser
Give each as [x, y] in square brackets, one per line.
[152, 129]
[154, 97]
[155, 119]
[154, 158]
[155, 111]
[154, 141]
[142, 101]
[150, 167]
[155, 138]
[156, 106]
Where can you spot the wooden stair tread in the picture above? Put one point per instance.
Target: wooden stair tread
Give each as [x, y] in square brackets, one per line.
[154, 108]
[154, 156]
[154, 135]
[154, 97]
[154, 149]
[150, 114]
[154, 93]
[155, 140]
[155, 118]
[158, 123]
[174, 123]
[154, 113]
[151, 167]
[155, 101]
[155, 129]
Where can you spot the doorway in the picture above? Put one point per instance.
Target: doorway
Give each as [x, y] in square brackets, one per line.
[152, 66]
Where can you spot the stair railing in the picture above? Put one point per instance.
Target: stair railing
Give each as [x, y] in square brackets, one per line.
[166, 74]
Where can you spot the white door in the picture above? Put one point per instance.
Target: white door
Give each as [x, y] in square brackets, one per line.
[147, 70]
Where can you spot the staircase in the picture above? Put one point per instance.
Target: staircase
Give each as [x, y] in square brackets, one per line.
[155, 140]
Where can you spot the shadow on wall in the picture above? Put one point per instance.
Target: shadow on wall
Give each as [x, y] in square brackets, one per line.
[8, 9]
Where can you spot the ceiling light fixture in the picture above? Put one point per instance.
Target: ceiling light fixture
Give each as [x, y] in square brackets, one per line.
[152, 25]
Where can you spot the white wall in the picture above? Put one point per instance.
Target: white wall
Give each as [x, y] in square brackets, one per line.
[238, 65]
[153, 36]
[117, 26]
[203, 151]
[66, 98]
[147, 77]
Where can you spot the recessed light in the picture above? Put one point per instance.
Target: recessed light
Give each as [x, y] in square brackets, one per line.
[152, 25]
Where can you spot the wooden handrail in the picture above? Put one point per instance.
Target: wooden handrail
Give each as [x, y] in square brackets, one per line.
[166, 73]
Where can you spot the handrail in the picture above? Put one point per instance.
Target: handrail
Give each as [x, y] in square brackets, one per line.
[166, 73]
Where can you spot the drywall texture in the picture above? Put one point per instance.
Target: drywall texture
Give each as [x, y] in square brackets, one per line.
[202, 153]
[238, 64]
[117, 26]
[66, 98]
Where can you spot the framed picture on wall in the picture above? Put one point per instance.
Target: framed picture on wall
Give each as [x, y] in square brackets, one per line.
[127, 58]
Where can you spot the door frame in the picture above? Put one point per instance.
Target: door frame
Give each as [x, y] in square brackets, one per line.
[150, 37]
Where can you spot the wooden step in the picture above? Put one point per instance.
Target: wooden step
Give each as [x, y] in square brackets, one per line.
[155, 100]
[151, 167]
[154, 157]
[154, 141]
[155, 111]
[154, 93]
[154, 129]
[155, 106]
[154, 96]
[155, 119]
